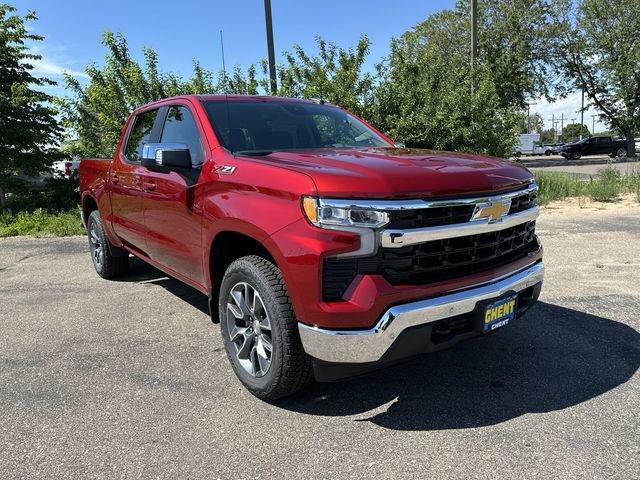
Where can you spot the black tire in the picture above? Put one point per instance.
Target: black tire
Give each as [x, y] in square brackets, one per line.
[576, 155]
[109, 261]
[547, 153]
[289, 368]
[621, 153]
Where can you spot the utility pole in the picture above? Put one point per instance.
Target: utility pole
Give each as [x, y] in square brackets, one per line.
[553, 124]
[270, 48]
[582, 114]
[593, 125]
[474, 40]
[562, 126]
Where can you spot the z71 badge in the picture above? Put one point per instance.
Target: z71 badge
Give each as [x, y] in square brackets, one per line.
[225, 169]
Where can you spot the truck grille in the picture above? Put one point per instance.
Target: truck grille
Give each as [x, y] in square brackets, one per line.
[430, 217]
[435, 260]
[450, 215]
[523, 202]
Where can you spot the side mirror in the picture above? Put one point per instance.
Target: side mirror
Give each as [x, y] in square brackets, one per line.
[166, 156]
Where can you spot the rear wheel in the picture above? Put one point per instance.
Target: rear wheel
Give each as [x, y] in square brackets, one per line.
[108, 260]
[621, 153]
[260, 330]
[576, 155]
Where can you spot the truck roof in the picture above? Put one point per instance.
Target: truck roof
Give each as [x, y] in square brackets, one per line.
[230, 98]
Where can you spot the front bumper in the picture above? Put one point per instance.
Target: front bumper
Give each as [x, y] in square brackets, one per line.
[370, 345]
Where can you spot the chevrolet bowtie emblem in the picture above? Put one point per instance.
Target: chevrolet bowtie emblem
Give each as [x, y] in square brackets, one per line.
[493, 211]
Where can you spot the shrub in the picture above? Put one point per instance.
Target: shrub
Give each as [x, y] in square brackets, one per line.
[39, 223]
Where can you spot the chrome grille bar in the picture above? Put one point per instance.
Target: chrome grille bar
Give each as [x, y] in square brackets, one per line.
[396, 238]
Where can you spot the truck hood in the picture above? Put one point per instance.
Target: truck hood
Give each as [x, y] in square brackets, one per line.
[400, 172]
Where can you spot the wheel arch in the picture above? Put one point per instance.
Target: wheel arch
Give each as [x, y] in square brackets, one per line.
[89, 204]
[227, 246]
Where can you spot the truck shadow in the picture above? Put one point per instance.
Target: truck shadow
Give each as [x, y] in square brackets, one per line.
[142, 272]
[552, 359]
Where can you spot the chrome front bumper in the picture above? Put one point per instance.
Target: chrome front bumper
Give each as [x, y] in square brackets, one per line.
[369, 345]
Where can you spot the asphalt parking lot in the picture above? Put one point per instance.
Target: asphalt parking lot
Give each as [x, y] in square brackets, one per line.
[129, 379]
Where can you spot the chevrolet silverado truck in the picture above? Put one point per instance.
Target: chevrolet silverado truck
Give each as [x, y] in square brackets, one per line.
[594, 146]
[325, 250]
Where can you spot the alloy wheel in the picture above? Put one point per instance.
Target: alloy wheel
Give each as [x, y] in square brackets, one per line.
[249, 329]
[96, 247]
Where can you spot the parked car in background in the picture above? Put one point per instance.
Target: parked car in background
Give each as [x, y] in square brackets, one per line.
[526, 144]
[66, 168]
[595, 146]
[547, 148]
[637, 145]
[325, 250]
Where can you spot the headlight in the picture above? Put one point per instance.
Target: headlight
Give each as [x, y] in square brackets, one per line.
[330, 213]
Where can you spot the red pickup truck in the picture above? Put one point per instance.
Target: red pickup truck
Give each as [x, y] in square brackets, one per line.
[325, 250]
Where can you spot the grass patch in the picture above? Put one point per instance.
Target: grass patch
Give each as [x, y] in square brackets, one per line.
[557, 185]
[606, 187]
[40, 224]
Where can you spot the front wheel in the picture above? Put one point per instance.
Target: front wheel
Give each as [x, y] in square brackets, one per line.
[576, 155]
[260, 330]
[621, 153]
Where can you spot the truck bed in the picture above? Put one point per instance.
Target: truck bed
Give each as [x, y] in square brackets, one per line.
[93, 173]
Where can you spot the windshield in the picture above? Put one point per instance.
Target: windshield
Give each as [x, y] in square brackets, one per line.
[260, 127]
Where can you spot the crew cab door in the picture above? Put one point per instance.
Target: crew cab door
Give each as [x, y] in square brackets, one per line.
[125, 182]
[173, 228]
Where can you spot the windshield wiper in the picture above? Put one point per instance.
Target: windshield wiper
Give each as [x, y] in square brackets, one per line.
[259, 153]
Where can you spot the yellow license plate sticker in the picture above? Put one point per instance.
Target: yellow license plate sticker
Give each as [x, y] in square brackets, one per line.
[499, 313]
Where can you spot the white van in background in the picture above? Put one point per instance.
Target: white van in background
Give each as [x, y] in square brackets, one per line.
[526, 144]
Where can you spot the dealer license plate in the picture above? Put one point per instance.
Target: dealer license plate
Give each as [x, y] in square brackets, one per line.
[499, 313]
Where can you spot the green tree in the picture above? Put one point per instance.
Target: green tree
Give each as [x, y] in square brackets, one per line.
[513, 38]
[532, 123]
[95, 112]
[548, 136]
[598, 50]
[425, 99]
[573, 132]
[29, 131]
[334, 74]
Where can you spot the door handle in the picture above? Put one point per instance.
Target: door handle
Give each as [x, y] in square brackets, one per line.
[148, 186]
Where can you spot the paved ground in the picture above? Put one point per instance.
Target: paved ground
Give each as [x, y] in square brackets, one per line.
[129, 379]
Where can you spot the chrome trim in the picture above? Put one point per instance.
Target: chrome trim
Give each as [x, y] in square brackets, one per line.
[400, 238]
[371, 238]
[390, 205]
[369, 345]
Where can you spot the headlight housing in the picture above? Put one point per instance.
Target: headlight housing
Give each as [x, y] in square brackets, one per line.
[336, 214]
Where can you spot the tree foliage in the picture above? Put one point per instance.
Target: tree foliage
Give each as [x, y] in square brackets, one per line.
[598, 50]
[532, 123]
[334, 74]
[573, 132]
[548, 136]
[29, 131]
[425, 96]
[96, 112]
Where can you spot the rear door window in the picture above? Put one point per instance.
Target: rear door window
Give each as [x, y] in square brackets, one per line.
[180, 127]
[140, 135]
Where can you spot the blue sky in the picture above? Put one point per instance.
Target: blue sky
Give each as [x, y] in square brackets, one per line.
[189, 29]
